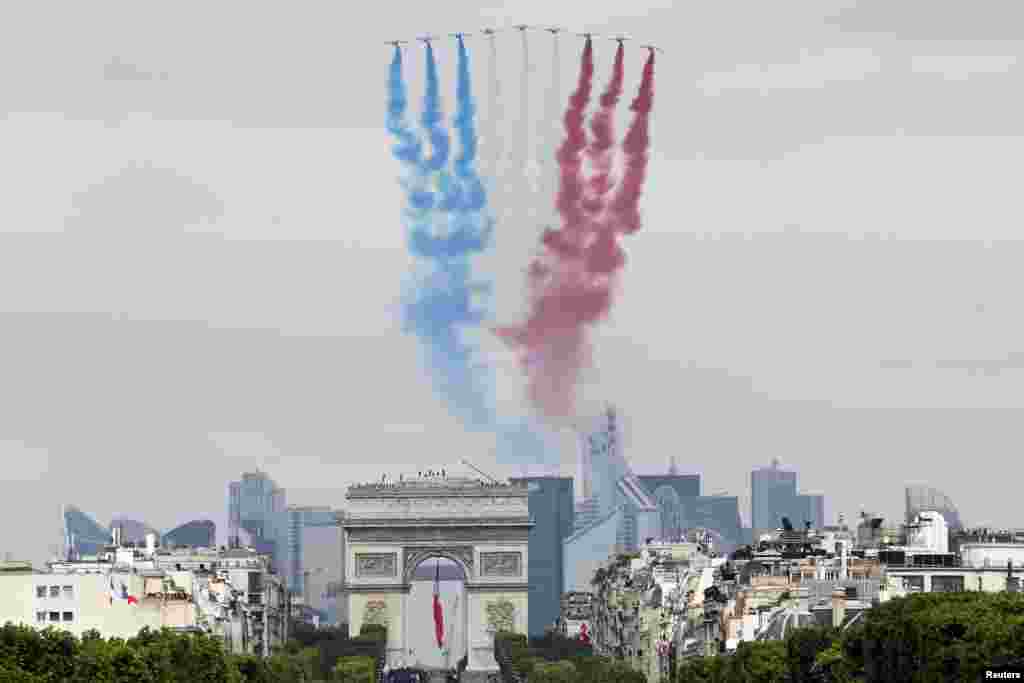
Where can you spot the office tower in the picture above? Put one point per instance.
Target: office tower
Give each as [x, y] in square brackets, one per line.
[609, 484]
[809, 508]
[252, 503]
[669, 491]
[772, 494]
[288, 533]
[551, 510]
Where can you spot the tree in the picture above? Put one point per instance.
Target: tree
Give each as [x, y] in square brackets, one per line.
[355, 670]
[802, 647]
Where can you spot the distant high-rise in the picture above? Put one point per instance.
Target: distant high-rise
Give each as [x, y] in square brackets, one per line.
[551, 510]
[288, 534]
[609, 484]
[773, 495]
[83, 535]
[252, 503]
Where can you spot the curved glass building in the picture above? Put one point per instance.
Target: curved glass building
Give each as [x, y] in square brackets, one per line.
[83, 535]
[921, 498]
[199, 533]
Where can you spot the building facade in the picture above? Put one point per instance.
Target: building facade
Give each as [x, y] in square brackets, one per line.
[83, 535]
[772, 493]
[551, 509]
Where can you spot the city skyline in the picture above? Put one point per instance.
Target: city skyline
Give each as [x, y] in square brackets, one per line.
[201, 268]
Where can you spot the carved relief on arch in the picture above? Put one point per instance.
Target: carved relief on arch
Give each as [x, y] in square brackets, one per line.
[412, 557]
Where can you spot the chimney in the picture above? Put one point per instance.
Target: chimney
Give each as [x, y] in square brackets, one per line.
[150, 544]
[838, 606]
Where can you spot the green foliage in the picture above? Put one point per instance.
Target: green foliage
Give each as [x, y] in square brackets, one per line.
[31, 656]
[354, 670]
[922, 638]
[802, 647]
[374, 632]
[553, 672]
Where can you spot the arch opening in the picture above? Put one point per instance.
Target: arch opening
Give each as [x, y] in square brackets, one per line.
[449, 574]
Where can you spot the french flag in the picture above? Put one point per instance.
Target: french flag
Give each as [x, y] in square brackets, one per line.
[121, 594]
[438, 612]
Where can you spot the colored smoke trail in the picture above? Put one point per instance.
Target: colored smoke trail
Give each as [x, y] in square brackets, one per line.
[407, 147]
[447, 227]
[431, 119]
[570, 156]
[494, 147]
[572, 288]
[635, 145]
[603, 131]
[527, 164]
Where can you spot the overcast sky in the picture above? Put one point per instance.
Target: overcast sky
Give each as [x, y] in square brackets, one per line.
[202, 252]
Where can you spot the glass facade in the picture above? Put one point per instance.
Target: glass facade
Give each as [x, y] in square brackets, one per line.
[200, 533]
[83, 535]
[252, 503]
[552, 512]
[772, 494]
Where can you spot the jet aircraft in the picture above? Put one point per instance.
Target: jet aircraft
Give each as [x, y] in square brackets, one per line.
[522, 27]
[588, 36]
[554, 30]
[619, 39]
[460, 35]
[489, 31]
[426, 39]
[652, 48]
[396, 43]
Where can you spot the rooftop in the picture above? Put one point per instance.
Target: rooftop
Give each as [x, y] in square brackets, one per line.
[414, 487]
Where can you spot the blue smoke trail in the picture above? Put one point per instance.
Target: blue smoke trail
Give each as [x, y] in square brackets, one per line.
[407, 148]
[448, 225]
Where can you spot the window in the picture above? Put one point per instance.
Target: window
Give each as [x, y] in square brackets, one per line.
[41, 616]
[54, 616]
[69, 592]
[68, 616]
[40, 591]
[54, 591]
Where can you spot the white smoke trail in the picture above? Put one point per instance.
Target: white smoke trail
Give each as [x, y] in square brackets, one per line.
[553, 127]
[494, 148]
[527, 164]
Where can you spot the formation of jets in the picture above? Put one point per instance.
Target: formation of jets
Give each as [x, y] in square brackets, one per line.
[553, 30]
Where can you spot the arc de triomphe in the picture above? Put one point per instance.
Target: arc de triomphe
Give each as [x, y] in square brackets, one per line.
[389, 529]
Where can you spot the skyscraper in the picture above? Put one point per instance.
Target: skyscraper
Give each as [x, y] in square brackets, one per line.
[609, 484]
[773, 495]
[252, 503]
[551, 510]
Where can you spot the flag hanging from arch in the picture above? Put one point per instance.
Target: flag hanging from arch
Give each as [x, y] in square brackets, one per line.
[438, 612]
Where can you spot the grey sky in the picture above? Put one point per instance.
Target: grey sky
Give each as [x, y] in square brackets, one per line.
[201, 251]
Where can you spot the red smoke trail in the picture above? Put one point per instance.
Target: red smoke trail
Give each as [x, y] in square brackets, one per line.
[572, 287]
[637, 141]
[570, 153]
[602, 129]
